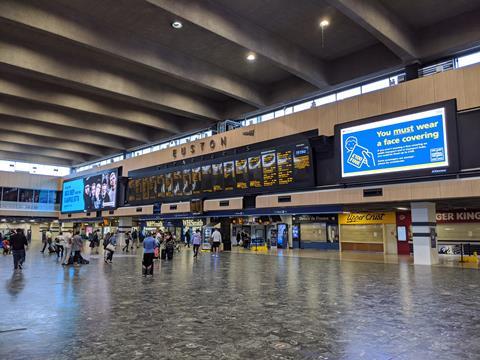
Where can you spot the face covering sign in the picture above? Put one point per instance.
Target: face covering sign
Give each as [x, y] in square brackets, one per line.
[410, 142]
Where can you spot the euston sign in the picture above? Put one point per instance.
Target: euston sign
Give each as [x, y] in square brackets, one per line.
[199, 147]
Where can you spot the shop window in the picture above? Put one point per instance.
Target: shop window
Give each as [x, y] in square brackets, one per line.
[362, 233]
[10, 194]
[316, 232]
[458, 231]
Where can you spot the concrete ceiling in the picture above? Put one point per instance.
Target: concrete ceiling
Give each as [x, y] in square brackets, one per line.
[82, 79]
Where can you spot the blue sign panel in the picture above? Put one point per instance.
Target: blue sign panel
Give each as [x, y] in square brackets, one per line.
[72, 196]
[410, 142]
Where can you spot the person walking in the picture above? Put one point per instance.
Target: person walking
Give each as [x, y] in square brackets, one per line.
[59, 245]
[128, 238]
[29, 236]
[77, 245]
[216, 241]
[110, 248]
[187, 237]
[149, 245]
[197, 241]
[18, 243]
[95, 242]
[134, 239]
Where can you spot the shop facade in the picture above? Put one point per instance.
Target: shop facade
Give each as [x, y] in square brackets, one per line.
[369, 231]
[315, 232]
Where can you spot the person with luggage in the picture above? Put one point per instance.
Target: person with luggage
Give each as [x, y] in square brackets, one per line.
[68, 247]
[110, 248]
[18, 243]
[128, 238]
[169, 246]
[197, 241]
[216, 241]
[6, 246]
[149, 246]
[77, 245]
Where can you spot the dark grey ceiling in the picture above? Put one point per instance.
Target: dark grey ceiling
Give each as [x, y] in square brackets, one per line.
[82, 79]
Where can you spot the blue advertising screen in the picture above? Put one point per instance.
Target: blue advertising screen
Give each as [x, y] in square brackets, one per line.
[72, 196]
[410, 142]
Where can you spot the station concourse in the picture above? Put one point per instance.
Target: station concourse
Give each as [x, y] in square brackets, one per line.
[239, 180]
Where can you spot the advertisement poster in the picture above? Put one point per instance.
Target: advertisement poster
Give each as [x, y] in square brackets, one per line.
[241, 172]
[160, 186]
[410, 142]
[187, 182]
[72, 196]
[168, 185]
[207, 178]
[177, 183]
[229, 175]
[217, 177]
[255, 171]
[301, 163]
[196, 180]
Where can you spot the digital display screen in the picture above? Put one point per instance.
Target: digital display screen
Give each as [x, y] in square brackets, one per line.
[89, 193]
[410, 142]
[229, 175]
[196, 180]
[255, 172]
[269, 166]
[285, 165]
[241, 172]
[217, 177]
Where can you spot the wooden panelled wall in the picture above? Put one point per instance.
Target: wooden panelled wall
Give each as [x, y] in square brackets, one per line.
[462, 84]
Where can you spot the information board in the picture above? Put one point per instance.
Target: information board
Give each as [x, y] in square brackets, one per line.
[275, 168]
[406, 143]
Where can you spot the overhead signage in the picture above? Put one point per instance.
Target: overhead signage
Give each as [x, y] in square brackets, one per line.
[460, 216]
[367, 218]
[282, 167]
[199, 148]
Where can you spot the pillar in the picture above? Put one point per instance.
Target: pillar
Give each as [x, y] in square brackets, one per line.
[67, 226]
[424, 233]
[124, 225]
[287, 219]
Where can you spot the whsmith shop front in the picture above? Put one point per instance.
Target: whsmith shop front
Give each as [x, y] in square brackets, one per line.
[369, 231]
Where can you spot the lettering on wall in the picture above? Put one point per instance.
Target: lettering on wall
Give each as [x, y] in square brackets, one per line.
[199, 147]
[458, 216]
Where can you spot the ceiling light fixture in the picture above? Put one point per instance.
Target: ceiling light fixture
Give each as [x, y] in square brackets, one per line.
[251, 56]
[177, 25]
[323, 24]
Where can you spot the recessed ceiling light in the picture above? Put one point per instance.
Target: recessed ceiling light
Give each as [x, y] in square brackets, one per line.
[251, 56]
[177, 25]
[402, 208]
[324, 23]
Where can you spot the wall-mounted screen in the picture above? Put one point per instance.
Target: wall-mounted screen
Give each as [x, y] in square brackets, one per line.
[407, 143]
[92, 192]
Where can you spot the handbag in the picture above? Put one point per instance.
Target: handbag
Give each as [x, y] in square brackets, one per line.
[110, 247]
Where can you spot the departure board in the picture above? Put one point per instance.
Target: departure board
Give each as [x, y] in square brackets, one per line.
[160, 186]
[241, 173]
[285, 167]
[197, 180]
[229, 175]
[217, 177]
[301, 162]
[168, 185]
[250, 172]
[177, 183]
[207, 178]
[269, 166]
[187, 182]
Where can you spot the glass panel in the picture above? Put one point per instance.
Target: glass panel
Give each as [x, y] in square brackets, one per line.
[10, 194]
[25, 195]
[7, 166]
[326, 100]
[267, 117]
[279, 113]
[468, 59]
[42, 196]
[302, 106]
[377, 85]
[348, 93]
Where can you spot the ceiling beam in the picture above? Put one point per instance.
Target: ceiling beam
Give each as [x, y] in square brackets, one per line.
[48, 143]
[36, 112]
[34, 150]
[57, 132]
[451, 36]
[39, 59]
[382, 24]
[249, 35]
[70, 99]
[150, 55]
[36, 159]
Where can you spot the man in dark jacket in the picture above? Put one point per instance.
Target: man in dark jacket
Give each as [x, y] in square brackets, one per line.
[18, 243]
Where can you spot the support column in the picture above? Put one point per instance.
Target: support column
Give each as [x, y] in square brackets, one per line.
[124, 225]
[424, 226]
[67, 226]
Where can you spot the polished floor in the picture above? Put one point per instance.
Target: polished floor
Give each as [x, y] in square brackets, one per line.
[237, 306]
